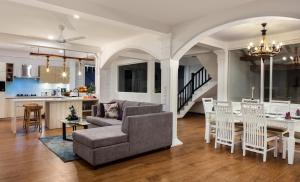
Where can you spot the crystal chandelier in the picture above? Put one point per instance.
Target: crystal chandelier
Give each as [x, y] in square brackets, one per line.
[264, 49]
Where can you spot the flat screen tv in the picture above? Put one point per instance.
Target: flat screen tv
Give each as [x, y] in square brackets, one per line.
[2, 86]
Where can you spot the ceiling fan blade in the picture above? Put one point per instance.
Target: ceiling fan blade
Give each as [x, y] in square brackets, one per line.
[75, 38]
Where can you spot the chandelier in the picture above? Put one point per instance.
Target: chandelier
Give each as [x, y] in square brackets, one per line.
[264, 49]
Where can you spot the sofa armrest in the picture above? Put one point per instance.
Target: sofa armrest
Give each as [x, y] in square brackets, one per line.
[94, 110]
[150, 131]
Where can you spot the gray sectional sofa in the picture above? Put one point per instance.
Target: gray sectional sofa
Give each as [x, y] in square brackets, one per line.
[144, 127]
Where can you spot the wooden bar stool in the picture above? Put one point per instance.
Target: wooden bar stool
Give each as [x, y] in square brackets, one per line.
[32, 116]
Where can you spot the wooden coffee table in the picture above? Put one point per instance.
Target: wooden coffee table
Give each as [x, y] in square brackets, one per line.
[73, 124]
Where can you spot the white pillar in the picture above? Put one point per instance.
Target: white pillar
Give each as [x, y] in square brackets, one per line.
[151, 80]
[271, 79]
[222, 59]
[169, 86]
[97, 75]
[262, 80]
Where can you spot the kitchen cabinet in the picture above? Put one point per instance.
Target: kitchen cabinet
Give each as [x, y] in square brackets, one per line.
[3, 112]
[9, 72]
[54, 75]
[2, 71]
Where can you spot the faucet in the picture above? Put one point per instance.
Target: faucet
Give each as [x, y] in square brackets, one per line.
[76, 90]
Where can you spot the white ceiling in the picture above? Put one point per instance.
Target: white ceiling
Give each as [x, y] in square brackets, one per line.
[251, 29]
[169, 12]
[106, 21]
[35, 22]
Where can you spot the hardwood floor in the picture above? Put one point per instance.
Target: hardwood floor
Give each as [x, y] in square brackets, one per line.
[25, 158]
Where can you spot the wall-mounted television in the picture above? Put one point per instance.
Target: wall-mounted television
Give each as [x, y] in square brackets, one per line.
[2, 86]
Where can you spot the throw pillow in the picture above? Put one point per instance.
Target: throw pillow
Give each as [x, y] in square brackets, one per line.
[111, 110]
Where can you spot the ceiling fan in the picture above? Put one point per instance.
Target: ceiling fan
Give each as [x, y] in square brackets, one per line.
[61, 39]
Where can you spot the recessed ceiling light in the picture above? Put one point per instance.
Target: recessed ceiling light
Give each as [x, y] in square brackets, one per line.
[284, 58]
[61, 51]
[76, 16]
[50, 37]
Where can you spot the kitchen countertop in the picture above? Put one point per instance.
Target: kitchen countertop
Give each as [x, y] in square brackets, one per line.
[47, 99]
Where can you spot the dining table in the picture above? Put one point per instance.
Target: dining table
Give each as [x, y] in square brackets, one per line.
[273, 119]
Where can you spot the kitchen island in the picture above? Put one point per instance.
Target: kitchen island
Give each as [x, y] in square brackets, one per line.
[55, 108]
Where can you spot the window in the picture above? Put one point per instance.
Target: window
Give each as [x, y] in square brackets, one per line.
[244, 73]
[133, 78]
[157, 78]
[89, 76]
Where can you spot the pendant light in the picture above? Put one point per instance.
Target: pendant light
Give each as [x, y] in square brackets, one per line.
[64, 73]
[47, 65]
[79, 68]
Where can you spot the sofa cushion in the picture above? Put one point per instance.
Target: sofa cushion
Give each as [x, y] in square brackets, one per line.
[140, 110]
[130, 104]
[147, 104]
[102, 121]
[100, 137]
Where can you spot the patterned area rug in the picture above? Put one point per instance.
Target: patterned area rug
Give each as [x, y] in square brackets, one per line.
[62, 148]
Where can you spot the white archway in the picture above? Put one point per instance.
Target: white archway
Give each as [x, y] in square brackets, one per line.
[196, 39]
[151, 44]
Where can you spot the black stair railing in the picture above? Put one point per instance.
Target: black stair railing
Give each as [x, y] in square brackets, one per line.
[200, 78]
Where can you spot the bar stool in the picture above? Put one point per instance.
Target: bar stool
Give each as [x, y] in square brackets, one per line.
[32, 116]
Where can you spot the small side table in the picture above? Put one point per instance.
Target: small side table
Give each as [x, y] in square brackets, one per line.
[74, 125]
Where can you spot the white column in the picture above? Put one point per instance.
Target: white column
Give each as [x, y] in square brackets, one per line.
[151, 79]
[165, 86]
[271, 79]
[262, 80]
[169, 85]
[97, 75]
[222, 59]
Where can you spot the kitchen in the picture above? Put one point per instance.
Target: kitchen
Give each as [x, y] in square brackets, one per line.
[53, 78]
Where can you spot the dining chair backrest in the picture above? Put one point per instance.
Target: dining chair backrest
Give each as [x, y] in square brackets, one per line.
[279, 106]
[255, 125]
[208, 104]
[224, 121]
[254, 101]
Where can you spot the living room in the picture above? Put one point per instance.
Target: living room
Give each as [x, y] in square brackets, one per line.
[137, 90]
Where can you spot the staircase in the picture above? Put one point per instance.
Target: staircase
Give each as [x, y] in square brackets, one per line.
[200, 83]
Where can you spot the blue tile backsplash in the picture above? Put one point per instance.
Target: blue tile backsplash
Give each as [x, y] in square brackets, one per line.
[30, 86]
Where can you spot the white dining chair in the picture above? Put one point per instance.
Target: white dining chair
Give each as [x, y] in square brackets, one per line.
[254, 101]
[210, 122]
[226, 132]
[255, 136]
[279, 107]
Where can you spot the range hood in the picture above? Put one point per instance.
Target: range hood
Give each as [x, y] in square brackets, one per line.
[27, 71]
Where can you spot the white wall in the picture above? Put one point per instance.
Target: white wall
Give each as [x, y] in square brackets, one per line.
[109, 82]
